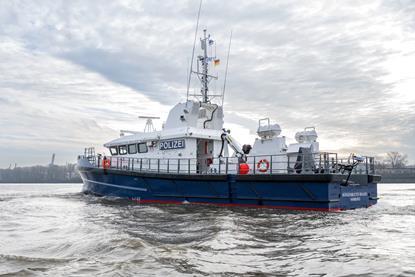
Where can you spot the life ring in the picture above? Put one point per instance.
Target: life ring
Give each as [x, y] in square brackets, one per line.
[106, 163]
[263, 165]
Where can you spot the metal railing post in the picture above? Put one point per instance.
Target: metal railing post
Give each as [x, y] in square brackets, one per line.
[302, 164]
[227, 165]
[326, 162]
[168, 165]
[270, 165]
[319, 163]
[337, 161]
[141, 164]
[254, 166]
[178, 166]
[220, 162]
[158, 165]
[188, 166]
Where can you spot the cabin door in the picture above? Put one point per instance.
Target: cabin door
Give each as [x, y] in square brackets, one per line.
[204, 155]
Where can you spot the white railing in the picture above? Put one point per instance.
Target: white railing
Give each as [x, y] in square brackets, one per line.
[298, 163]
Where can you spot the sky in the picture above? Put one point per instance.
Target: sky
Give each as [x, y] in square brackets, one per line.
[73, 73]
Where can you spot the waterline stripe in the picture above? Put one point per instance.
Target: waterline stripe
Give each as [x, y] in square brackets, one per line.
[116, 186]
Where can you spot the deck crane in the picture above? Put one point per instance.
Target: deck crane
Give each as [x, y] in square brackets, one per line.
[240, 152]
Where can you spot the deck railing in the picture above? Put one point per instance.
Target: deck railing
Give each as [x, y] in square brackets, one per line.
[296, 163]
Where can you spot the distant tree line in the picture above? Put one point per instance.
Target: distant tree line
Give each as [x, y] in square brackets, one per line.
[393, 160]
[41, 174]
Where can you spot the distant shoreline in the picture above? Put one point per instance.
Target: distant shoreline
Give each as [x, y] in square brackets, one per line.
[41, 174]
[400, 181]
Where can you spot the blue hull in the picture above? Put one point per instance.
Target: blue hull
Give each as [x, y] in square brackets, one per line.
[302, 192]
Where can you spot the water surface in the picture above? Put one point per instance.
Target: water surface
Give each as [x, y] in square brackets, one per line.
[54, 230]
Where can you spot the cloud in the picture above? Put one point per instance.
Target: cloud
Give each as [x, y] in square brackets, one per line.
[55, 106]
[81, 70]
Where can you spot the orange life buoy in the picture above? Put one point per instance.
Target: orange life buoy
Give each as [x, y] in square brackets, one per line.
[243, 168]
[263, 165]
[106, 163]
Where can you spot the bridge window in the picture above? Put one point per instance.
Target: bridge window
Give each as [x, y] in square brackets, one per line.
[132, 148]
[122, 149]
[142, 148]
[113, 150]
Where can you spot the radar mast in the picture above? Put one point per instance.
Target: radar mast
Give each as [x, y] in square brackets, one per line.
[149, 123]
[207, 57]
[202, 69]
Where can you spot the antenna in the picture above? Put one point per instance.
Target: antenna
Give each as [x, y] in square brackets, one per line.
[226, 69]
[149, 123]
[204, 61]
[193, 52]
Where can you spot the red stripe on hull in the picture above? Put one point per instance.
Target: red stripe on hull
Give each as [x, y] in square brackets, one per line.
[237, 205]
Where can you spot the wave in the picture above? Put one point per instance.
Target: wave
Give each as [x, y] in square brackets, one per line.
[8, 258]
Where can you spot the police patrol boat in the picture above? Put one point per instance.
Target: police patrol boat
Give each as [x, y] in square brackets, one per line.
[193, 159]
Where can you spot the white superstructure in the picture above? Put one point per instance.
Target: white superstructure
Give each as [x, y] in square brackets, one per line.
[193, 131]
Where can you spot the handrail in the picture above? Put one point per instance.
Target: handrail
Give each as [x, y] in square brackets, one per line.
[290, 163]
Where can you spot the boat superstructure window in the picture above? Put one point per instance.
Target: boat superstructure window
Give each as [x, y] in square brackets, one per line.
[122, 149]
[142, 148]
[113, 150]
[132, 149]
